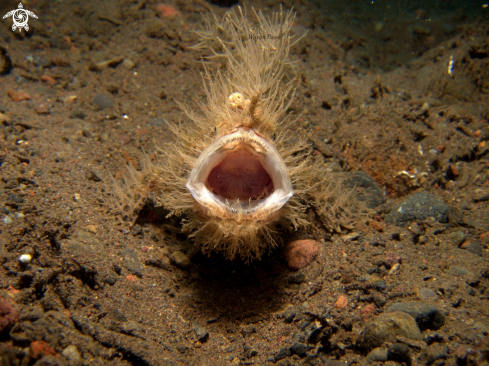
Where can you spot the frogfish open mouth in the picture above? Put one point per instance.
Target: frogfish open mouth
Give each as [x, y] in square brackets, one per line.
[241, 167]
[240, 176]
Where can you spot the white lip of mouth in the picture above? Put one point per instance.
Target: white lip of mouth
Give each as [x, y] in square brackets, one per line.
[259, 209]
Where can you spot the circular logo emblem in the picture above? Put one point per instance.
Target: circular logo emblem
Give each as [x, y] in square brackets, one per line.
[20, 17]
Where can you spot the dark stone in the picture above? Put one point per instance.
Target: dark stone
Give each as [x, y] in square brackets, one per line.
[136, 230]
[312, 332]
[91, 175]
[290, 315]
[458, 237]
[457, 271]
[380, 285]
[131, 262]
[201, 333]
[474, 247]
[103, 101]
[399, 352]
[418, 207]
[111, 278]
[282, 353]
[78, 113]
[299, 349]
[426, 315]
[371, 193]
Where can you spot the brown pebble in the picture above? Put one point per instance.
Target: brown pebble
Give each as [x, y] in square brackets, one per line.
[9, 314]
[376, 225]
[92, 229]
[40, 349]
[454, 170]
[18, 96]
[42, 109]
[341, 302]
[49, 80]
[60, 61]
[300, 253]
[392, 259]
[368, 311]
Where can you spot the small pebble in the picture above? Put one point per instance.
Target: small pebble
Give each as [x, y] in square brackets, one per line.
[180, 260]
[427, 294]
[25, 258]
[7, 220]
[350, 237]
[300, 253]
[201, 333]
[78, 113]
[18, 96]
[391, 259]
[103, 101]
[132, 262]
[77, 196]
[43, 109]
[92, 229]
[49, 80]
[341, 302]
[9, 314]
[60, 60]
[281, 354]
[299, 349]
[72, 354]
[136, 230]
[128, 63]
[394, 269]
[458, 237]
[400, 353]
[378, 354]
[368, 311]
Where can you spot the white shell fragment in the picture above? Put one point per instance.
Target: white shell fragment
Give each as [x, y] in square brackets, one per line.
[25, 258]
[394, 269]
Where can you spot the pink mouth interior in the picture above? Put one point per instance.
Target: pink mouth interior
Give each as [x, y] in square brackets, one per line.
[240, 176]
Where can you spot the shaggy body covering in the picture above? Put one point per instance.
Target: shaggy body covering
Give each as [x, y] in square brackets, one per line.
[239, 169]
